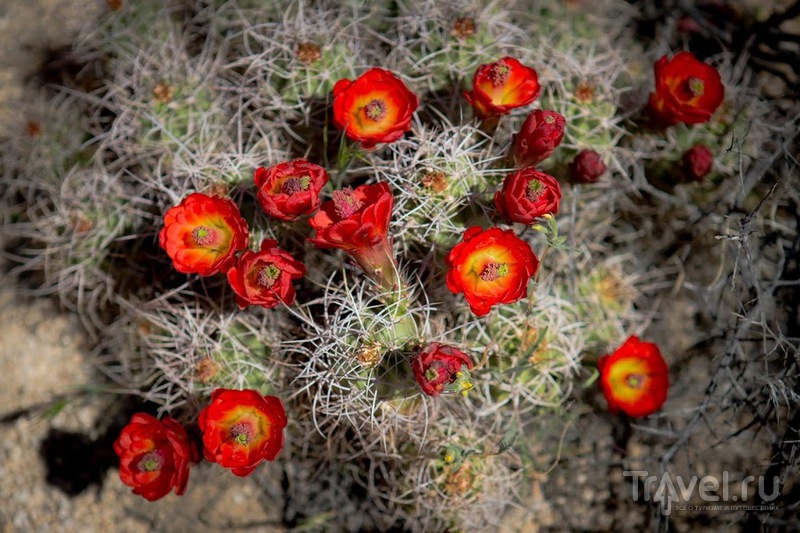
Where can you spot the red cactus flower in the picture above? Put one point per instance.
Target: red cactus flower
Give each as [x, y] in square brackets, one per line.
[154, 456]
[587, 167]
[375, 108]
[540, 134]
[437, 365]
[634, 379]
[499, 87]
[698, 162]
[687, 91]
[242, 428]
[490, 267]
[265, 277]
[526, 195]
[290, 189]
[203, 234]
[357, 221]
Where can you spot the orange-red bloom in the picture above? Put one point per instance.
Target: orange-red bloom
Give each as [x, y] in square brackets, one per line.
[499, 87]
[242, 428]
[634, 379]
[490, 267]
[687, 90]
[290, 189]
[437, 365]
[526, 195]
[357, 221]
[375, 108]
[203, 234]
[154, 456]
[539, 135]
[265, 277]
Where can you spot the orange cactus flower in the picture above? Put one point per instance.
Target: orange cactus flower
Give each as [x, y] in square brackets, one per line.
[241, 429]
[490, 267]
[290, 189]
[154, 456]
[265, 277]
[526, 195]
[375, 108]
[357, 221]
[203, 234]
[687, 91]
[438, 365]
[635, 378]
[499, 87]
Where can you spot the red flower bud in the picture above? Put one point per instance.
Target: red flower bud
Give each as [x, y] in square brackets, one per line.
[634, 379]
[242, 428]
[203, 234]
[154, 456]
[499, 87]
[437, 365]
[540, 134]
[587, 167]
[490, 267]
[687, 91]
[697, 162]
[265, 277]
[526, 195]
[375, 108]
[290, 189]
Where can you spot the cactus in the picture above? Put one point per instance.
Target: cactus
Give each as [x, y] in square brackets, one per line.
[199, 94]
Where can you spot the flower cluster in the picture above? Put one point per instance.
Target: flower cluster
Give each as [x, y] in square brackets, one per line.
[206, 235]
[240, 430]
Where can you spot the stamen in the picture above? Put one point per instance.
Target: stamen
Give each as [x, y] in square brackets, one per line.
[499, 73]
[242, 433]
[534, 190]
[696, 86]
[203, 236]
[635, 381]
[268, 275]
[375, 110]
[494, 271]
[345, 203]
[293, 184]
[150, 462]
